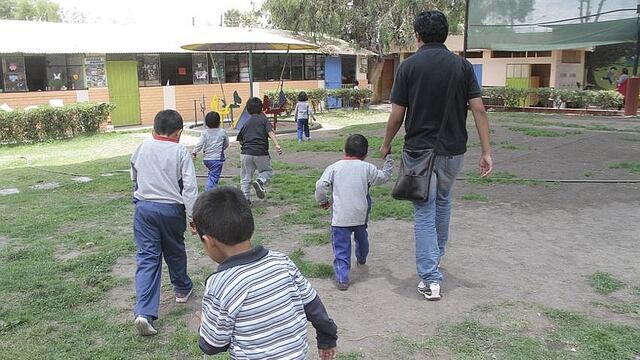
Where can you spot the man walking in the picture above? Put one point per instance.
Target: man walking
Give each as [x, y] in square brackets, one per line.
[431, 87]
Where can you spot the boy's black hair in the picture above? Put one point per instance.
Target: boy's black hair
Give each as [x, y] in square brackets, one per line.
[431, 26]
[625, 71]
[303, 96]
[224, 213]
[254, 106]
[356, 146]
[167, 122]
[212, 119]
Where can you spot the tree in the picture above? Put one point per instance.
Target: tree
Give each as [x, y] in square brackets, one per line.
[604, 56]
[35, 10]
[373, 24]
[237, 18]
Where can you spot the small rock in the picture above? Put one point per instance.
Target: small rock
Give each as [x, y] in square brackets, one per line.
[89, 244]
[46, 186]
[10, 191]
[573, 350]
[82, 179]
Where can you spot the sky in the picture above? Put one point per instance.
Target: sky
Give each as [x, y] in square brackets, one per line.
[153, 11]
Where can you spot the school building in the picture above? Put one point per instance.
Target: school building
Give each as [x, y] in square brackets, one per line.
[520, 69]
[143, 69]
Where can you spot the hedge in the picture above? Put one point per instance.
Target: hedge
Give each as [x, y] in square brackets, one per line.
[47, 123]
[318, 97]
[512, 97]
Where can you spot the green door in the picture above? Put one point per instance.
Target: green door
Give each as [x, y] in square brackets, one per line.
[122, 77]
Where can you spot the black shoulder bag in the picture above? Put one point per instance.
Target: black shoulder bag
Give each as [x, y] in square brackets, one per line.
[416, 166]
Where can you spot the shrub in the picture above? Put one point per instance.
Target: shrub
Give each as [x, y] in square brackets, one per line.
[316, 98]
[608, 99]
[46, 122]
[514, 97]
[573, 97]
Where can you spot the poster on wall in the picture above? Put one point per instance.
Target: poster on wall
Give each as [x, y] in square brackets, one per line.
[200, 65]
[14, 74]
[96, 74]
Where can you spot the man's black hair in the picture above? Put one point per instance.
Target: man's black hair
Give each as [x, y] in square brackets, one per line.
[254, 106]
[303, 96]
[431, 26]
[212, 119]
[625, 71]
[167, 122]
[356, 146]
[224, 213]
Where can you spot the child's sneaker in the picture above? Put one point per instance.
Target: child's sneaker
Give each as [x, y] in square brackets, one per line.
[431, 292]
[182, 298]
[258, 185]
[342, 286]
[144, 326]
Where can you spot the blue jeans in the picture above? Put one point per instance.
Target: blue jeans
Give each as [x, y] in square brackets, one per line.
[158, 231]
[215, 169]
[303, 128]
[341, 240]
[432, 218]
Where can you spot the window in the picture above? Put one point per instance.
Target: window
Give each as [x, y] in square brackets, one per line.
[14, 73]
[36, 71]
[571, 57]
[276, 62]
[95, 71]
[176, 69]
[501, 54]
[149, 70]
[310, 67]
[232, 68]
[217, 68]
[474, 54]
[542, 53]
[200, 69]
[260, 67]
[297, 67]
[65, 72]
[320, 67]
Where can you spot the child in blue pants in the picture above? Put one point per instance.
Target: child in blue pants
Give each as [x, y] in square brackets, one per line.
[303, 112]
[165, 190]
[213, 142]
[349, 180]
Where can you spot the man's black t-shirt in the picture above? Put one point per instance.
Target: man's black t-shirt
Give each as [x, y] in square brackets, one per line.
[254, 136]
[421, 86]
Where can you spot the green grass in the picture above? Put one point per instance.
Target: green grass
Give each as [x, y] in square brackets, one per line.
[316, 239]
[507, 145]
[605, 283]
[350, 356]
[309, 268]
[632, 138]
[621, 308]
[474, 197]
[589, 174]
[633, 167]
[536, 132]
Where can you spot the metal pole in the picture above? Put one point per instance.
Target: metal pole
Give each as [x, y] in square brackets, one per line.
[250, 72]
[466, 28]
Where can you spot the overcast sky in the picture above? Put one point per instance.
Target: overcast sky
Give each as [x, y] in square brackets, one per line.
[153, 11]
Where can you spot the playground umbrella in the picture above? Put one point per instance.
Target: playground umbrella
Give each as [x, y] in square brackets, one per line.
[246, 40]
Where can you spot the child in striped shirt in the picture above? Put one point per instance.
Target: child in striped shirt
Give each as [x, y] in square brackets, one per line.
[257, 304]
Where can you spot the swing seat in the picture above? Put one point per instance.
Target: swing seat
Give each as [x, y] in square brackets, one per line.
[267, 109]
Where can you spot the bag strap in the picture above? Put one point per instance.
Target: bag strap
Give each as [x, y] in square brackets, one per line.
[447, 108]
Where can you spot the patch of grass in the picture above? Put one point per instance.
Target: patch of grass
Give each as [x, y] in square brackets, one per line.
[536, 132]
[474, 197]
[316, 239]
[621, 308]
[633, 167]
[384, 206]
[498, 177]
[589, 174]
[605, 283]
[350, 356]
[309, 268]
[507, 145]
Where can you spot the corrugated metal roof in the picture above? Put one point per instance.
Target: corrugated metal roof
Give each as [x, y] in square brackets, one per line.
[29, 37]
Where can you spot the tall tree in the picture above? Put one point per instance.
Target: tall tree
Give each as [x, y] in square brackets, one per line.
[35, 10]
[373, 24]
[237, 18]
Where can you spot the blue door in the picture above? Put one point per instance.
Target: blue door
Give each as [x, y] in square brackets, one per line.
[333, 79]
[477, 68]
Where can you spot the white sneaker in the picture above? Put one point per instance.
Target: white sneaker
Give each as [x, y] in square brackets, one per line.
[431, 292]
[144, 326]
[183, 298]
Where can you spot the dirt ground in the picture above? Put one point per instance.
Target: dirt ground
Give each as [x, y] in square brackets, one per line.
[535, 244]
